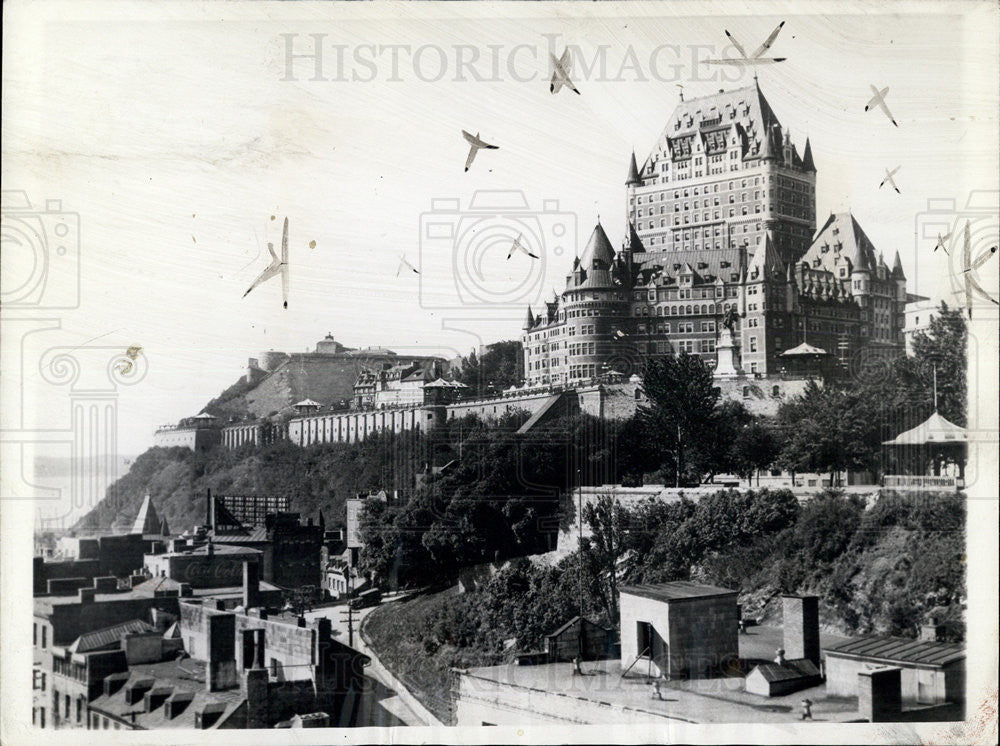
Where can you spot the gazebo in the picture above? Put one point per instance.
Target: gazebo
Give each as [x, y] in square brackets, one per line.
[926, 448]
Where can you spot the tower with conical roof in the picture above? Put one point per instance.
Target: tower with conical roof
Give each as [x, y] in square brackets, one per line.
[147, 522]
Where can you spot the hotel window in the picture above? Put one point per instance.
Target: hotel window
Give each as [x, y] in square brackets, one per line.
[753, 344]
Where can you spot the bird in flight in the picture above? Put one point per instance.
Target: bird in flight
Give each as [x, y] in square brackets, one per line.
[888, 177]
[403, 263]
[561, 68]
[276, 267]
[518, 246]
[879, 100]
[754, 59]
[477, 145]
[981, 259]
[941, 243]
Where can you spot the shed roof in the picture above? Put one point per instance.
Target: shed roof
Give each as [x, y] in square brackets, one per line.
[101, 638]
[900, 650]
[678, 590]
[797, 668]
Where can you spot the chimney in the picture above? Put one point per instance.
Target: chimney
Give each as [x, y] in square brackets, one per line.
[780, 657]
[301, 621]
[880, 694]
[251, 584]
[220, 666]
[932, 631]
[253, 648]
[800, 618]
[256, 689]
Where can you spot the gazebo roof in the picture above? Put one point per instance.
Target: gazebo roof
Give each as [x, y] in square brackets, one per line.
[935, 429]
[804, 349]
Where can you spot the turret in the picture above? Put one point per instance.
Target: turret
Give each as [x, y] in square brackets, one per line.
[899, 278]
[767, 149]
[807, 159]
[633, 173]
[529, 320]
[791, 290]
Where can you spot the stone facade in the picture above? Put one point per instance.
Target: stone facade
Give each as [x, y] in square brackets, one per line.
[722, 216]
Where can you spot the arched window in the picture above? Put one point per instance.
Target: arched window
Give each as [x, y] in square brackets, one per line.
[659, 311]
[689, 310]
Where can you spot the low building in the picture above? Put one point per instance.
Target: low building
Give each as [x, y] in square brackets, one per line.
[200, 433]
[205, 566]
[579, 638]
[931, 672]
[776, 679]
[679, 629]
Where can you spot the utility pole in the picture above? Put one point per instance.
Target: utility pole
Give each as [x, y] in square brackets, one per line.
[677, 476]
[350, 608]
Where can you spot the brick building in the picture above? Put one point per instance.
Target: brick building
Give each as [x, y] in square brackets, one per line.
[722, 216]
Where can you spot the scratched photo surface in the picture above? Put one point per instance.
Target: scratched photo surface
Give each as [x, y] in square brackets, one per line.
[592, 371]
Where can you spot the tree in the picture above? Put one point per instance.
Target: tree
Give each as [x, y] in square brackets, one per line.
[942, 347]
[499, 367]
[682, 399]
[603, 549]
[755, 447]
[830, 428]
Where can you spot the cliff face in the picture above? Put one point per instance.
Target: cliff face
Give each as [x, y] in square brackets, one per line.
[317, 478]
[323, 377]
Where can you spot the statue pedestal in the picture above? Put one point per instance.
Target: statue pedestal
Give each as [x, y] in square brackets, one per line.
[727, 365]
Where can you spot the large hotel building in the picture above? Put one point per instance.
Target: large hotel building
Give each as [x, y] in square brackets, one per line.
[722, 215]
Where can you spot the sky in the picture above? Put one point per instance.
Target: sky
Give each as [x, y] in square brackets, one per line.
[181, 137]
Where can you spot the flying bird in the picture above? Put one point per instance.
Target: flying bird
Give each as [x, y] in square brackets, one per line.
[276, 267]
[518, 246]
[561, 68]
[879, 100]
[981, 259]
[403, 263]
[941, 243]
[888, 177]
[477, 145]
[755, 58]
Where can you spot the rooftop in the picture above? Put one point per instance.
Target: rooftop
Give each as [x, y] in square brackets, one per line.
[901, 650]
[183, 681]
[109, 636]
[678, 590]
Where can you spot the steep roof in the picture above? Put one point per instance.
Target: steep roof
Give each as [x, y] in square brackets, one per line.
[841, 238]
[807, 158]
[596, 261]
[708, 265]
[147, 521]
[901, 650]
[598, 253]
[765, 264]
[743, 111]
[108, 636]
[897, 268]
[633, 172]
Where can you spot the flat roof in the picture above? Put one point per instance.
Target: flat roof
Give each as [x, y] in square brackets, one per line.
[678, 590]
[901, 650]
